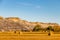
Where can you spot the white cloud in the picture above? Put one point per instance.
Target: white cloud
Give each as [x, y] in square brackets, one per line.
[24, 4]
[28, 4]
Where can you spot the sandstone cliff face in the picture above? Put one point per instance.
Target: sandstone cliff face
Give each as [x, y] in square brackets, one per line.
[15, 23]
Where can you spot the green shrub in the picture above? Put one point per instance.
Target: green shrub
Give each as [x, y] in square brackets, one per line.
[37, 28]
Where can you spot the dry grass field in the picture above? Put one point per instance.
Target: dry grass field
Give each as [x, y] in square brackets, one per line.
[28, 36]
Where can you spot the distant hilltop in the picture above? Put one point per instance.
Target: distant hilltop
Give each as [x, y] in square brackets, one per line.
[15, 23]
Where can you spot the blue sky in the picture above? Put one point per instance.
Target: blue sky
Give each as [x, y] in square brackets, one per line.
[31, 10]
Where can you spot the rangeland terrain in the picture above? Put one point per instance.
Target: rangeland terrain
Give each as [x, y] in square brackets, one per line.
[29, 36]
[11, 27]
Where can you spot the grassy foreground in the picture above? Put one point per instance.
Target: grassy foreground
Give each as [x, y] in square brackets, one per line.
[28, 36]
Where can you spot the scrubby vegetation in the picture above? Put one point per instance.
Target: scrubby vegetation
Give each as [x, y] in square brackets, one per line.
[16, 24]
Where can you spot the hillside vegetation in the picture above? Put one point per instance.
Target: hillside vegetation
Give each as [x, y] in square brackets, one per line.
[17, 24]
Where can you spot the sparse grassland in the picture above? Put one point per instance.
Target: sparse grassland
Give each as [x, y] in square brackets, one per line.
[29, 36]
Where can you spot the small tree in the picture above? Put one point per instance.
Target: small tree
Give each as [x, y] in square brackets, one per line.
[49, 29]
[14, 31]
[37, 28]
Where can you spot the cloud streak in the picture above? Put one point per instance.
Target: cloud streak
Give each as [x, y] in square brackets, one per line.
[28, 4]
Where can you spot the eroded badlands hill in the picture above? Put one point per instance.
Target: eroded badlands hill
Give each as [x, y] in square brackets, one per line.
[15, 23]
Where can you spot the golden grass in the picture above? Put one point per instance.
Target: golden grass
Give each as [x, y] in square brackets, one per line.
[28, 36]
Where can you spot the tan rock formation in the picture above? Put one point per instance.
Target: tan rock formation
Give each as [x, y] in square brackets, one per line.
[15, 23]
